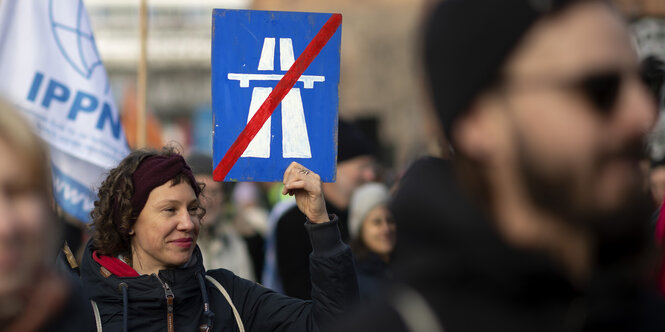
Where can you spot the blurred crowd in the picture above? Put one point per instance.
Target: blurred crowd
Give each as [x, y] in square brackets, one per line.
[547, 217]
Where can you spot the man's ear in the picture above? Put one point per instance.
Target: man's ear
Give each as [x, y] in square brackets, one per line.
[473, 132]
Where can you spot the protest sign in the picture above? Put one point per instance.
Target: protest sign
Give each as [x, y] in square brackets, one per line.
[259, 60]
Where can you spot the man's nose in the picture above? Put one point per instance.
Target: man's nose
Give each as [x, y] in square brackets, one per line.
[637, 111]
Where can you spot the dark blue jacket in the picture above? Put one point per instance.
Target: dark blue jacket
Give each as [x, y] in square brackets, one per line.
[260, 309]
[374, 275]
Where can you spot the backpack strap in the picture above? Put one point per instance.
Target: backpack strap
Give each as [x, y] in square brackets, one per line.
[98, 319]
[221, 289]
[414, 310]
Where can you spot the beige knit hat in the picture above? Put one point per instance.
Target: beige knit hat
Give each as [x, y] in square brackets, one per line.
[363, 200]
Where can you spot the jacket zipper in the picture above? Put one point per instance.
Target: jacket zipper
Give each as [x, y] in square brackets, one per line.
[169, 304]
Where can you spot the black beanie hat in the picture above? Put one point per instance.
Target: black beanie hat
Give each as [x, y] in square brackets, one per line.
[467, 43]
[352, 142]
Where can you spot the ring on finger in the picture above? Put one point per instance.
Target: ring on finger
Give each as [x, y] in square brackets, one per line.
[304, 171]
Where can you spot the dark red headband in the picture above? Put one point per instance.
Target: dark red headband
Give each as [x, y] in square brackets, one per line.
[155, 171]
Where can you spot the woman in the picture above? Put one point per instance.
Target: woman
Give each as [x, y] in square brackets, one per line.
[144, 271]
[33, 297]
[373, 237]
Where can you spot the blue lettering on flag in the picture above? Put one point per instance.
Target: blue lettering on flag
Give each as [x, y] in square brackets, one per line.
[107, 116]
[63, 89]
[57, 91]
[83, 102]
[75, 198]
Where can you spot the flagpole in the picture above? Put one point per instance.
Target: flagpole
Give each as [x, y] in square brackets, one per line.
[142, 77]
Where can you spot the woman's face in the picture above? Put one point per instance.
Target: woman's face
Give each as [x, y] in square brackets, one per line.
[166, 230]
[25, 222]
[379, 231]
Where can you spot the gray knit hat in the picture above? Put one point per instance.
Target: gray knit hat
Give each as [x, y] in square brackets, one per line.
[363, 200]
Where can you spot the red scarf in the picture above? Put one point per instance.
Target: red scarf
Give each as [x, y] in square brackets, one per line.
[114, 265]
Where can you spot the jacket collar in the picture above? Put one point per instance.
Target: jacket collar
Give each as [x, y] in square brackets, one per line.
[102, 278]
[114, 265]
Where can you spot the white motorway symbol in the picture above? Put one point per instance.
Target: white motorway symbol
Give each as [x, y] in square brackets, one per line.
[295, 141]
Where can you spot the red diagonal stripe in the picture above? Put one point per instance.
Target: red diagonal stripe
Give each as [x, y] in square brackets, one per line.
[281, 89]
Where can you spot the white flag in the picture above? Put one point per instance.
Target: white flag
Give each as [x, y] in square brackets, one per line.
[51, 71]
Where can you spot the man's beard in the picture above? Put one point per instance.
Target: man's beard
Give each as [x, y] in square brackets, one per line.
[619, 230]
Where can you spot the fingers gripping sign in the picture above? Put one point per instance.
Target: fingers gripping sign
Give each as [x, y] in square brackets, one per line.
[306, 186]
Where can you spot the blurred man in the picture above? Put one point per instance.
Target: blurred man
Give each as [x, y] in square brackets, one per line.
[355, 166]
[539, 224]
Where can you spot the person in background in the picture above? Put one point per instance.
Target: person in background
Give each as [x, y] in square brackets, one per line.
[221, 245]
[33, 296]
[540, 221]
[251, 220]
[355, 166]
[373, 237]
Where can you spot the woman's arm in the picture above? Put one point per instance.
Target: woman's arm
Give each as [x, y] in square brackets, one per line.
[334, 287]
[334, 283]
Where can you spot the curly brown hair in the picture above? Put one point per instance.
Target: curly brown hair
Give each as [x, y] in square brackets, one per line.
[112, 217]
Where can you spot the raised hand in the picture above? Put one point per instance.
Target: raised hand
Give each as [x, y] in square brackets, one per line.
[306, 185]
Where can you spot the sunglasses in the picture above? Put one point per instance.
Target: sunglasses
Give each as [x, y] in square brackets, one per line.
[600, 88]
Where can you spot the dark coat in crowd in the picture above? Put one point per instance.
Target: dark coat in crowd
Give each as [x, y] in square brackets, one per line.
[456, 273]
[293, 247]
[374, 274]
[259, 308]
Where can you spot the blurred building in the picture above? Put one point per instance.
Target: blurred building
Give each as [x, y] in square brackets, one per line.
[178, 54]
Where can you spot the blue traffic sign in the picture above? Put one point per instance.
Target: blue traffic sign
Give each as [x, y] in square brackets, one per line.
[253, 56]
